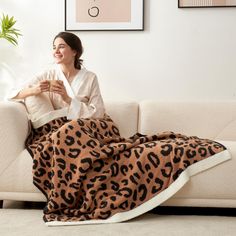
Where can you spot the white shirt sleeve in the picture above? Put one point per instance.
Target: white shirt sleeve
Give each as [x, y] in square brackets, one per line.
[26, 84]
[87, 102]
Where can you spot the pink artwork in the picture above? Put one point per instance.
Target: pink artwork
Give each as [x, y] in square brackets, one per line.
[206, 3]
[103, 11]
[103, 15]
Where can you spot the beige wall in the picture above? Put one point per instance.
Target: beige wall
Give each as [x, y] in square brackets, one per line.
[183, 54]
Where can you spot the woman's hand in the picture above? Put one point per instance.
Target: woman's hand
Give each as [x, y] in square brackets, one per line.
[42, 86]
[60, 89]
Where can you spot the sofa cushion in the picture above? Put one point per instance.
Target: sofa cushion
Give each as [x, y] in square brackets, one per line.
[38, 105]
[125, 115]
[213, 120]
[41, 111]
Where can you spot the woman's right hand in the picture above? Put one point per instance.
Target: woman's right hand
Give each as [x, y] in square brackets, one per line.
[42, 86]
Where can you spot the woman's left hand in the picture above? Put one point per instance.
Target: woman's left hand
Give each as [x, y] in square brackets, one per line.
[60, 89]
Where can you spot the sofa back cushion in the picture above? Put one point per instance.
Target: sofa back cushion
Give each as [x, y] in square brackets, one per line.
[125, 115]
[213, 120]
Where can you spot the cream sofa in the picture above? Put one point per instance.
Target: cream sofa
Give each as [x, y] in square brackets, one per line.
[215, 120]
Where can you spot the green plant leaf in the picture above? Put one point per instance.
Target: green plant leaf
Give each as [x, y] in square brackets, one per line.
[7, 31]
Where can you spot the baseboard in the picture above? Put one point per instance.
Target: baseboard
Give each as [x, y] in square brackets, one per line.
[207, 211]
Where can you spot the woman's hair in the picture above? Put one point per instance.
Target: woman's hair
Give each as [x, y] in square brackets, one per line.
[75, 43]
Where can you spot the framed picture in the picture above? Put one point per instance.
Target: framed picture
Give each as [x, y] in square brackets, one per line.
[103, 15]
[206, 3]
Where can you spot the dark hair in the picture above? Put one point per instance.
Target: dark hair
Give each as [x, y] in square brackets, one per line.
[75, 43]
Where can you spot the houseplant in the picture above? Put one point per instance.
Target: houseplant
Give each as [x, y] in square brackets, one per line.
[7, 31]
[11, 34]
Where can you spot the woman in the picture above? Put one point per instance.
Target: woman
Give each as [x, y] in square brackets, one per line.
[76, 89]
[67, 113]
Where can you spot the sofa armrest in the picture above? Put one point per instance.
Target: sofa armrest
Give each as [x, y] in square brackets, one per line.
[13, 132]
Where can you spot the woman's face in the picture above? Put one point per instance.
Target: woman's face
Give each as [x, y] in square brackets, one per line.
[62, 52]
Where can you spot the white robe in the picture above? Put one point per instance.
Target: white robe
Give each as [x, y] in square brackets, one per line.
[84, 91]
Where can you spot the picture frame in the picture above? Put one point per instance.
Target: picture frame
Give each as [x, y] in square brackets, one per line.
[103, 15]
[206, 3]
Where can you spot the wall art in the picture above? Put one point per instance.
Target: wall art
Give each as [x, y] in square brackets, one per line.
[103, 15]
[206, 3]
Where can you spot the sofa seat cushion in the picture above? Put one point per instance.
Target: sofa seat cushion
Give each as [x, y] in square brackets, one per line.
[213, 120]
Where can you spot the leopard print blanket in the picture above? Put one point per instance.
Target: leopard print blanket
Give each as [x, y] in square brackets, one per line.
[87, 171]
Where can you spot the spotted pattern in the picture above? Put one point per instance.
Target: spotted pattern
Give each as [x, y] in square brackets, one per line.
[88, 171]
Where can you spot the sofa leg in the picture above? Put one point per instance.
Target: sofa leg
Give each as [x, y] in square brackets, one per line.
[1, 203]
